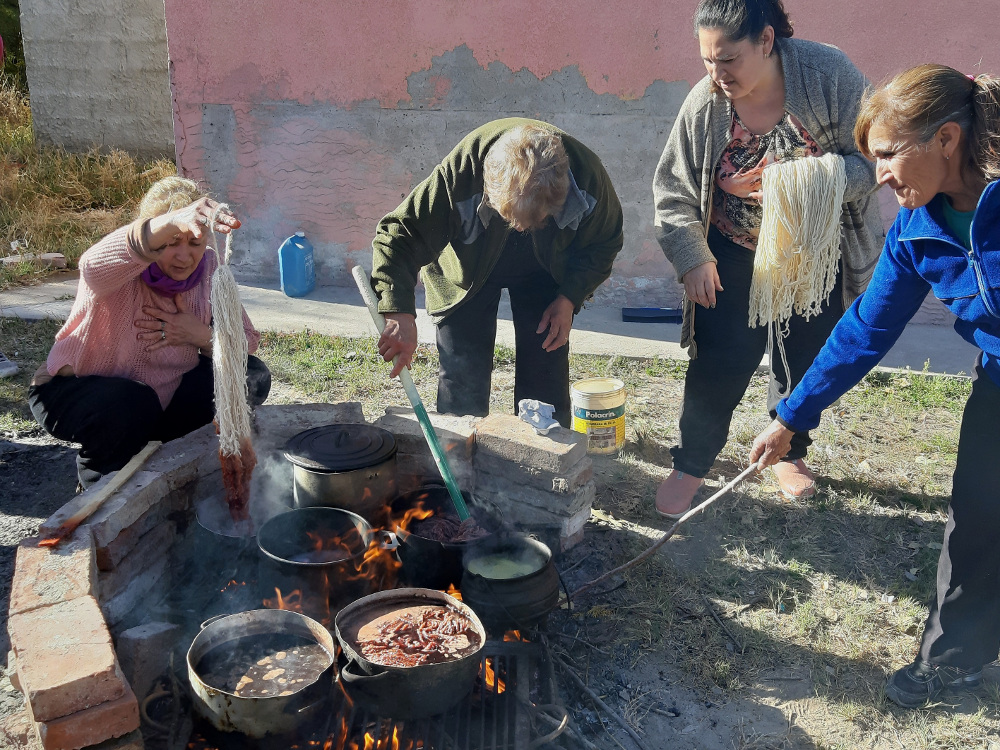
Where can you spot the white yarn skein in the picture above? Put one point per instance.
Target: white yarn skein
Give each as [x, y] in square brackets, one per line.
[798, 249]
[229, 350]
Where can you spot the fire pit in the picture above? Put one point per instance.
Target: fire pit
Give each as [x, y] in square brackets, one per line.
[126, 595]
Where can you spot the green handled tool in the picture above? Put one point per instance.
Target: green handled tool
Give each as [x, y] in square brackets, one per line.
[364, 286]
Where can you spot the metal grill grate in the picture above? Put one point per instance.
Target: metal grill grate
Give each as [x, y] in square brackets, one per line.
[491, 718]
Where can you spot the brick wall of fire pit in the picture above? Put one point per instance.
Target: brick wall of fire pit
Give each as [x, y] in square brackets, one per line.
[88, 629]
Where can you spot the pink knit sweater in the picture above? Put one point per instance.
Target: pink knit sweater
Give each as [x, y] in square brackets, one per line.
[100, 335]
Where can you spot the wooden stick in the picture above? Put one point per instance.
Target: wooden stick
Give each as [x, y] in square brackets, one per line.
[64, 521]
[715, 616]
[670, 532]
[604, 706]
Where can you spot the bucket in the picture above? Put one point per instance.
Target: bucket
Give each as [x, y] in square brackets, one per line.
[599, 413]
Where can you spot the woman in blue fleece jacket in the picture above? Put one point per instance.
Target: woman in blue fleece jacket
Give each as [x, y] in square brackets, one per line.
[935, 136]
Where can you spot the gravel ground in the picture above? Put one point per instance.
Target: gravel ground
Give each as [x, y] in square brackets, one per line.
[37, 476]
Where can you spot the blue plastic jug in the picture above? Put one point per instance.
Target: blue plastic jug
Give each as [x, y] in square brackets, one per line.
[296, 265]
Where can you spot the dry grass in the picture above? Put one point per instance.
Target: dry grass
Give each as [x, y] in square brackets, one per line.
[55, 201]
[815, 594]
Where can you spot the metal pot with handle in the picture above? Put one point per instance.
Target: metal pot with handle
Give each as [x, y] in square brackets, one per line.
[405, 692]
[349, 466]
[260, 673]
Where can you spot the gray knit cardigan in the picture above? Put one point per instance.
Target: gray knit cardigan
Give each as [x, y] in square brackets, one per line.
[823, 91]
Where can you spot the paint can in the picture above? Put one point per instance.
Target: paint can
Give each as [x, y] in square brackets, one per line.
[599, 413]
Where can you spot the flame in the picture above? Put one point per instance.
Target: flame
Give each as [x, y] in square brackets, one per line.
[514, 635]
[490, 677]
[387, 743]
[454, 592]
[417, 513]
[291, 601]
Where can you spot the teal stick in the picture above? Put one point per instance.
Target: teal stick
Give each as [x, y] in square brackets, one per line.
[364, 286]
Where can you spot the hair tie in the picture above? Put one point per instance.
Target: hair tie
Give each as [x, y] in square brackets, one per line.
[971, 78]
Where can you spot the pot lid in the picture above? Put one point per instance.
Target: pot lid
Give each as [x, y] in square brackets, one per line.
[340, 447]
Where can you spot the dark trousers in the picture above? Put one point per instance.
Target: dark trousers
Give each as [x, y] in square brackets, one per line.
[729, 352]
[113, 418]
[963, 629]
[467, 337]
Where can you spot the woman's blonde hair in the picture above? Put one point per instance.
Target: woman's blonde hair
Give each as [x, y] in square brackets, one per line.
[167, 195]
[918, 101]
[526, 175]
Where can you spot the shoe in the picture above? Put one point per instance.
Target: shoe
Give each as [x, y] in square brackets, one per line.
[921, 682]
[676, 493]
[795, 479]
[7, 368]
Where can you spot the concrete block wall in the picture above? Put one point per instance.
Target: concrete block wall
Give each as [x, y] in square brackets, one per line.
[97, 73]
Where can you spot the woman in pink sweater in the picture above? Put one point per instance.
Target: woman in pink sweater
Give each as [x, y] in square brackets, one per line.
[133, 361]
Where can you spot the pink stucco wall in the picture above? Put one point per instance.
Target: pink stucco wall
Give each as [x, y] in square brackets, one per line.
[321, 116]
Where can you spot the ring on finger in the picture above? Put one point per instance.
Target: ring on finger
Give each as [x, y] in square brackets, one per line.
[202, 220]
[163, 335]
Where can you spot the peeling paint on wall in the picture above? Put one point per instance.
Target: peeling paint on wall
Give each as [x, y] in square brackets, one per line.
[322, 116]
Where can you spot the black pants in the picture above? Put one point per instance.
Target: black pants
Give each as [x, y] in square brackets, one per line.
[467, 337]
[963, 629]
[729, 352]
[113, 418]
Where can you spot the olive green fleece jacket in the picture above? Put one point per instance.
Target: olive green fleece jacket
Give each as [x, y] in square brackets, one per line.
[823, 91]
[443, 231]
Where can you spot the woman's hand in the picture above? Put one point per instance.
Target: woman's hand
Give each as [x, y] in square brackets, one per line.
[173, 329]
[701, 283]
[771, 445]
[192, 220]
[399, 337]
[558, 318]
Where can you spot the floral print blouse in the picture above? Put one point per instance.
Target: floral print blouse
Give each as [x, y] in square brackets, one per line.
[734, 213]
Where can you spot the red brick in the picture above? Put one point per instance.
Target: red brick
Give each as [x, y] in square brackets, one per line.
[112, 553]
[49, 575]
[91, 726]
[65, 660]
[150, 549]
[505, 436]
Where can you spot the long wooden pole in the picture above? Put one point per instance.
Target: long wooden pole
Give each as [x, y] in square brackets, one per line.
[364, 286]
[64, 521]
[670, 532]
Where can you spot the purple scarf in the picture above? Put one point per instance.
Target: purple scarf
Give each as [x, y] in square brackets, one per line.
[165, 286]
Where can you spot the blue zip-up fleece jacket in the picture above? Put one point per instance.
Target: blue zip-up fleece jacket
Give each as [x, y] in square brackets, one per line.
[920, 253]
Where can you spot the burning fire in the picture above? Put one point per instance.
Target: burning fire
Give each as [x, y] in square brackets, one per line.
[453, 592]
[417, 513]
[490, 677]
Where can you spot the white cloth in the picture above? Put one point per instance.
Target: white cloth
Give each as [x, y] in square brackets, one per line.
[538, 414]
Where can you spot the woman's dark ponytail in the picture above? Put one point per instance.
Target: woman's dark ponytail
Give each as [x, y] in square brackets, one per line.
[743, 19]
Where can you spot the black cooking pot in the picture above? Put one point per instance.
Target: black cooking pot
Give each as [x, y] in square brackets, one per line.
[403, 692]
[511, 582]
[311, 560]
[223, 642]
[349, 466]
[432, 564]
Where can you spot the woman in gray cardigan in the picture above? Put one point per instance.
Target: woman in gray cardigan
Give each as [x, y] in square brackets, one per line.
[767, 98]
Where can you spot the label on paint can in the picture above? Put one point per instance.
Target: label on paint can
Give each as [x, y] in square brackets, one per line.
[599, 413]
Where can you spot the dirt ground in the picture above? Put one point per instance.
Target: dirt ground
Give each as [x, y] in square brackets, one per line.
[38, 475]
[762, 625]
